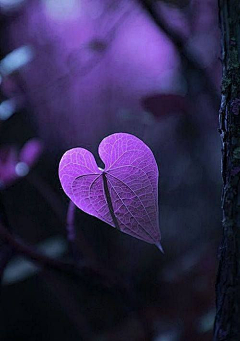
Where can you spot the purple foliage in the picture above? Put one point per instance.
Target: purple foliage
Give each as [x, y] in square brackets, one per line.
[131, 175]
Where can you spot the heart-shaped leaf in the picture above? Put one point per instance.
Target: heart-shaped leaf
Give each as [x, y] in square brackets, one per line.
[124, 194]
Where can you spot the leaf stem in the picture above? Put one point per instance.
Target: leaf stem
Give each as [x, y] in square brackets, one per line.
[109, 201]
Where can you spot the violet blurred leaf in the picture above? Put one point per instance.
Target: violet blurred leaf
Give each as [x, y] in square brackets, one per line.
[31, 151]
[124, 194]
[14, 164]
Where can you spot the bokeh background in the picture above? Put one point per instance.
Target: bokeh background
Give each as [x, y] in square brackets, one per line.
[72, 72]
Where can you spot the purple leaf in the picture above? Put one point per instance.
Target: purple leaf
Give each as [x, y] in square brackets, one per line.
[31, 151]
[124, 194]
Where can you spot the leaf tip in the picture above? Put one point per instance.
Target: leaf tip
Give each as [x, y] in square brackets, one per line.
[159, 246]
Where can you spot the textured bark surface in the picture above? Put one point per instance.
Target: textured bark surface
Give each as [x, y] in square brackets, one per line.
[227, 322]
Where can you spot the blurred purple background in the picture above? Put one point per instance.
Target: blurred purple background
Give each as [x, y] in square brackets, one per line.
[72, 72]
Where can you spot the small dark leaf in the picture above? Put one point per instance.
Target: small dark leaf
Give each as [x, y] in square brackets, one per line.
[164, 104]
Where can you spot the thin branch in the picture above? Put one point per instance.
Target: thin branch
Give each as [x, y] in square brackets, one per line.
[71, 232]
[70, 222]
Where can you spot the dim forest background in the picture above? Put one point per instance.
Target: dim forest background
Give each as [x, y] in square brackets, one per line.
[72, 72]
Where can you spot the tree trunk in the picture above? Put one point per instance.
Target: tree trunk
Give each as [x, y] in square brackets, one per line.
[227, 322]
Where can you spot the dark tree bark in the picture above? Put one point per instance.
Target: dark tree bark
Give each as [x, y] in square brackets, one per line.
[227, 322]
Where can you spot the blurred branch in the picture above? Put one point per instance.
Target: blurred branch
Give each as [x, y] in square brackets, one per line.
[180, 44]
[84, 272]
[6, 251]
[48, 195]
[59, 209]
[38, 258]
[6, 254]
[90, 275]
